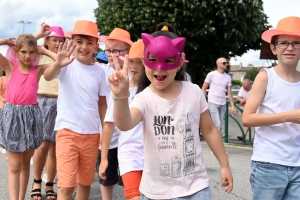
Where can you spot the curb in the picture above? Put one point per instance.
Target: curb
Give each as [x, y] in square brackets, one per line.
[233, 145]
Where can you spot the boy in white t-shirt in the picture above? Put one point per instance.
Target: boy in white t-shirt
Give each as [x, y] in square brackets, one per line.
[117, 43]
[273, 108]
[242, 98]
[81, 107]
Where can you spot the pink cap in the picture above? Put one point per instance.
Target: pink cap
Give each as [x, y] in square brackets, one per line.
[12, 56]
[56, 31]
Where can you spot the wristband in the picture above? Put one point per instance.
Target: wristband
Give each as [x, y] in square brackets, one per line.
[113, 96]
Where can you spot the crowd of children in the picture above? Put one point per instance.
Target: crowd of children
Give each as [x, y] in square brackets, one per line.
[56, 100]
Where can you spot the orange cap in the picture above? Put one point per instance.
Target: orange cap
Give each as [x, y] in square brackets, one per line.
[137, 49]
[119, 34]
[286, 26]
[84, 27]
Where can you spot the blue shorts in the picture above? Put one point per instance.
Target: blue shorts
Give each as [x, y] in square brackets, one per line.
[203, 194]
[272, 181]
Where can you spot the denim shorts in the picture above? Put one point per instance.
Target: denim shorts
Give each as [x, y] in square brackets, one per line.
[273, 181]
[203, 194]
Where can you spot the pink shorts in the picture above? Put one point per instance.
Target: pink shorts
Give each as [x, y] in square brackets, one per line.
[76, 157]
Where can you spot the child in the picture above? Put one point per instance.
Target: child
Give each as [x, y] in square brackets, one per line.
[117, 43]
[47, 98]
[130, 147]
[273, 109]
[20, 120]
[81, 107]
[172, 111]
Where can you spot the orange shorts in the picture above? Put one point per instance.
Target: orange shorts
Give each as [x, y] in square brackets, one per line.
[131, 181]
[76, 157]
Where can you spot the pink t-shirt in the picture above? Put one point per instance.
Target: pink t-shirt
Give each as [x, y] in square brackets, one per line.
[218, 83]
[173, 165]
[22, 88]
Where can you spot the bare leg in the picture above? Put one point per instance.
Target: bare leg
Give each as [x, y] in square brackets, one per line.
[39, 159]
[14, 171]
[83, 192]
[24, 176]
[65, 193]
[51, 166]
[106, 192]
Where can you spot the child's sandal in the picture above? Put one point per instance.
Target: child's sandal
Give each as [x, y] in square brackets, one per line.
[36, 193]
[50, 193]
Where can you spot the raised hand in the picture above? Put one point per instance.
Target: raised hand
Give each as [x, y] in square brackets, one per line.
[44, 31]
[118, 81]
[64, 53]
[10, 41]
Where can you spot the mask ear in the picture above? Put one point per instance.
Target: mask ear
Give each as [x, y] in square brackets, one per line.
[178, 43]
[147, 39]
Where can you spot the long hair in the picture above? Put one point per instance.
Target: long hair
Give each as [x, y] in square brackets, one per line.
[171, 33]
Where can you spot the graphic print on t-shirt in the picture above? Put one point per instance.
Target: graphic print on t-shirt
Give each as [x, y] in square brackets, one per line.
[181, 163]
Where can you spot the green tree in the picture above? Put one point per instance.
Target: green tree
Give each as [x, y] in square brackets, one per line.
[213, 28]
[252, 74]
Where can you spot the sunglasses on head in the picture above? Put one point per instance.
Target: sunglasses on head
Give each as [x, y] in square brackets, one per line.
[224, 63]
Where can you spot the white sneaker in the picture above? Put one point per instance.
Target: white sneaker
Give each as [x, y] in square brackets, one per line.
[45, 178]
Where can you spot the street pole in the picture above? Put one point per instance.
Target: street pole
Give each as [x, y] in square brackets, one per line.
[22, 22]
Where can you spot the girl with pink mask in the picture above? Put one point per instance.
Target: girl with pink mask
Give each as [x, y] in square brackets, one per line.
[172, 110]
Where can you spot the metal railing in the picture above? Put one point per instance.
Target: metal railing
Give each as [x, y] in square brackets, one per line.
[226, 127]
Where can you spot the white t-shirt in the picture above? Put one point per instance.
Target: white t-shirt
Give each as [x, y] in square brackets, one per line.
[80, 86]
[243, 93]
[131, 146]
[173, 165]
[109, 116]
[218, 83]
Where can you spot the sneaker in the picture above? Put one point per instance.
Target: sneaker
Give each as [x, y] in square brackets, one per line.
[45, 178]
[239, 137]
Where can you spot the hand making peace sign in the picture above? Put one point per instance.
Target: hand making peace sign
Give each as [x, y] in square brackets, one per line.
[119, 83]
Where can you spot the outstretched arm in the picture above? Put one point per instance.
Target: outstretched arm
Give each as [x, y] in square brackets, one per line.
[63, 58]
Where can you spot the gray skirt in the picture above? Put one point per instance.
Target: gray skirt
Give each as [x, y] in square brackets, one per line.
[20, 127]
[48, 107]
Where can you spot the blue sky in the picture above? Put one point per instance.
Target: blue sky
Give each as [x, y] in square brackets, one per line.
[65, 13]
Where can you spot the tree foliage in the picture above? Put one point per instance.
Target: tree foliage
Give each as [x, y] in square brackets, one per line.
[213, 28]
[252, 74]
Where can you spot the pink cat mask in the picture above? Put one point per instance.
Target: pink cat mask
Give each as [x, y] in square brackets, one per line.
[163, 48]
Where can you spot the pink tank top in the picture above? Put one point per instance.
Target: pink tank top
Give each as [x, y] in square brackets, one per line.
[22, 88]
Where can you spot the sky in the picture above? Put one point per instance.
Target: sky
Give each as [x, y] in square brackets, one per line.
[65, 13]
